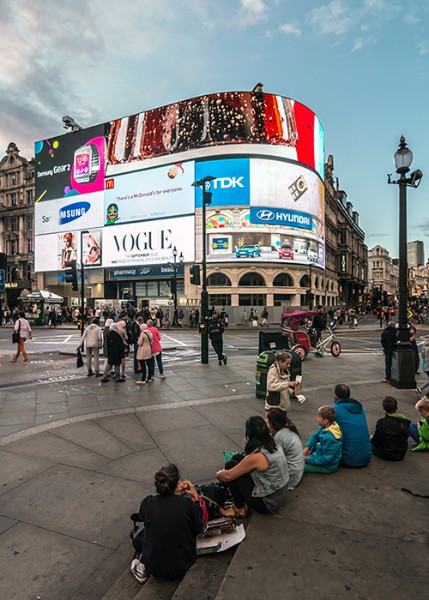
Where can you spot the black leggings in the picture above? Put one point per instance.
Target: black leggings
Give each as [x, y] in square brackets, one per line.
[241, 489]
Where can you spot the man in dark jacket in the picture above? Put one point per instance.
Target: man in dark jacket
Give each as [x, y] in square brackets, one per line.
[351, 418]
[390, 439]
[216, 330]
[388, 341]
[319, 322]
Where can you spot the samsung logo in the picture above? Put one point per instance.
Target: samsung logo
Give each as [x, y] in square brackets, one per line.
[265, 215]
[73, 211]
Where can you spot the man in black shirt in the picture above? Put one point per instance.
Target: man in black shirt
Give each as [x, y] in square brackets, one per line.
[215, 332]
[388, 341]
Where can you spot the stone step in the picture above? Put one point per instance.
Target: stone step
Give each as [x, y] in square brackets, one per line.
[102, 580]
[204, 578]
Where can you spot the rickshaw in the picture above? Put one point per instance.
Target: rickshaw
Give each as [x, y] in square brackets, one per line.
[303, 342]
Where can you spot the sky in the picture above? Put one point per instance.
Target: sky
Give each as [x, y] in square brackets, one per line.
[361, 65]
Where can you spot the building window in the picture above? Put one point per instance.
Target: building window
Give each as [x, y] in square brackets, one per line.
[12, 247]
[29, 221]
[29, 196]
[12, 179]
[14, 224]
[284, 280]
[305, 282]
[13, 199]
[251, 280]
[220, 299]
[252, 300]
[29, 245]
[218, 279]
[28, 272]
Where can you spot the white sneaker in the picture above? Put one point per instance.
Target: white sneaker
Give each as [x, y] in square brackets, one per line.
[138, 570]
[301, 398]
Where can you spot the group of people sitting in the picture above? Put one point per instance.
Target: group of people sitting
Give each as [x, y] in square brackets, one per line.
[116, 342]
[273, 463]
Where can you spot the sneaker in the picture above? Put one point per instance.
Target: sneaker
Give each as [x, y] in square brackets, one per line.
[384, 380]
[162, 376]
[90, 374]
[418, 391]
[138, 570]
[150, 379]
[140, 382]
[104, 379]
[219, 362]
[123, 377]
[98, 374]
[120, 380]
[225, 360]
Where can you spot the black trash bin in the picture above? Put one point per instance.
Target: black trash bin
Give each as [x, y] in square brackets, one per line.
[264, 362]
[272, 340]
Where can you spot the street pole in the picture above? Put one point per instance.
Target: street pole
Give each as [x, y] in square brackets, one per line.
[403, 367]
[204, 323]
[310, 304]
[204, 293]
[82, 284]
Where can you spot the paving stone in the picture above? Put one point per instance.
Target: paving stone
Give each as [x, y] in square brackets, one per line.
[16, 469]
[91, 436]
[129, 430]
[172, 419]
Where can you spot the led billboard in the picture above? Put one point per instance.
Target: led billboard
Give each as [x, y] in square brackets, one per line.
[129, 183]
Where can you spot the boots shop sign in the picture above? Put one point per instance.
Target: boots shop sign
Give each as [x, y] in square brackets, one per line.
[149, 242]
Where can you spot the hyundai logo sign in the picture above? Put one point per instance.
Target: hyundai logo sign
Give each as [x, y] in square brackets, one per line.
[73, 211]
[265, 215]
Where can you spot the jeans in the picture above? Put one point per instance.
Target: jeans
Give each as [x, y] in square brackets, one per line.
[388, 363]
[414, 432]
[150, 366]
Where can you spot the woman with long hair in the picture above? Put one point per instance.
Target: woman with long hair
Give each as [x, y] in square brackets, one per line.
[287, 438]
[258, 479]
[172, 519]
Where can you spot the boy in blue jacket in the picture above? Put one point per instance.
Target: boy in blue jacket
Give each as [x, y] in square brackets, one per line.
[322, 452]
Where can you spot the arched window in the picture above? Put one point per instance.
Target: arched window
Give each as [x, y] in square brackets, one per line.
[305, 281]
[283, 279]
[218, 279]
[251, 279]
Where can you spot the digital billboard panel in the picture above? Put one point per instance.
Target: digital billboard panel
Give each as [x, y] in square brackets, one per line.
[218, 119]
[282, 222]
[70, 165]
[76, 212]
[149, 194]
[148, 242]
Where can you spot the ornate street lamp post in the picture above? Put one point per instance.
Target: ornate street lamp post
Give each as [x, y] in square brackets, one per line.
[403, 368]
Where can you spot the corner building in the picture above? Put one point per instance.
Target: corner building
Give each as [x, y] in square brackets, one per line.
[120, 197]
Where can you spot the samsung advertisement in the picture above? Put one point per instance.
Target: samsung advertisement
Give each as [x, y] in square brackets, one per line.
[121, 194]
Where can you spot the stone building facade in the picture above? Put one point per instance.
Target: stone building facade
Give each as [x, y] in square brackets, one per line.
[16, 221]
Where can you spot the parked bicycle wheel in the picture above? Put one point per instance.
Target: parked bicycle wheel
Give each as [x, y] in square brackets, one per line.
[335, 349]
[301, 351]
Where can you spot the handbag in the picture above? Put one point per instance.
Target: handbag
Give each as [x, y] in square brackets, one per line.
[273, 398]
[79, 359]
[15, 335]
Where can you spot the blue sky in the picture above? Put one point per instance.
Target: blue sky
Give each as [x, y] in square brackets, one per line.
[361, 65]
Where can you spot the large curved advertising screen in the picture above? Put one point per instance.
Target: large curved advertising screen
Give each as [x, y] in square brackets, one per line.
[106, 190]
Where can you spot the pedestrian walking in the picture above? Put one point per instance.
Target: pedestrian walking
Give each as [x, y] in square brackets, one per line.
[215, 332]
[144, 354]
[156, 348]
[22, 326]
[93, 339]
[388, 341]
[115, 351]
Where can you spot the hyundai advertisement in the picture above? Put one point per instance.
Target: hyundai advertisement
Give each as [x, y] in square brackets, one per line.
[125, 188]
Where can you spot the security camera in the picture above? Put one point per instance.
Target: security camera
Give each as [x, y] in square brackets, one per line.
[70, 123]
[416, 177]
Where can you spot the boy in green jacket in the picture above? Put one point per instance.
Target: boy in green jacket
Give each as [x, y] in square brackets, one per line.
[420, 431]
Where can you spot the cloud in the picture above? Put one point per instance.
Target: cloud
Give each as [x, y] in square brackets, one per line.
[331, 19]
[423, 47]
[290, 29]
[251, 12]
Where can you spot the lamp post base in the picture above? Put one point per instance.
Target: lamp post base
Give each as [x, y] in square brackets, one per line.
[403, 369]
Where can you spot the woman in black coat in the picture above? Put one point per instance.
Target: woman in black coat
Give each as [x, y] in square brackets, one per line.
[115, 352]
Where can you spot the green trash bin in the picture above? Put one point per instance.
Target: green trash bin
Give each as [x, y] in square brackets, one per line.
[264, 362]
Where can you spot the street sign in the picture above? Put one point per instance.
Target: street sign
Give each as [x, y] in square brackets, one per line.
[2, 279]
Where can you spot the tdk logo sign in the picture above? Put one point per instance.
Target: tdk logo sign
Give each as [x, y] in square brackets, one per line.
[73, 211]
[228, 182]
[290, 218]
[265, 215]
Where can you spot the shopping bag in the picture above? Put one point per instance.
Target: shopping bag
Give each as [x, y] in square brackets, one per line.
[79, 359]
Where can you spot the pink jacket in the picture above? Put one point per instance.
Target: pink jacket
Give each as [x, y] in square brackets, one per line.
[156, 343]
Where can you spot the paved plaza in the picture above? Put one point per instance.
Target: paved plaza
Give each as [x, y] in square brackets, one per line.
[77, 457]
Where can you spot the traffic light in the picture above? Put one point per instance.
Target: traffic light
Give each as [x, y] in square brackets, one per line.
[70, 274]
[207, 197]
[195, 274]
